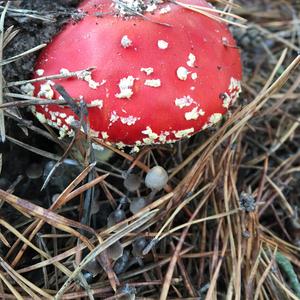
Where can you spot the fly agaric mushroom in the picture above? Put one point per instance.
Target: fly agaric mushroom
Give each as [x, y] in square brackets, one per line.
[162, 72]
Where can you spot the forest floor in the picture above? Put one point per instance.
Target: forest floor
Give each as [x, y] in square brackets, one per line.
[227, 225]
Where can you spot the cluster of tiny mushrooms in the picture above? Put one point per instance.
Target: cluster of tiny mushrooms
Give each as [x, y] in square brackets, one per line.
[161, 72]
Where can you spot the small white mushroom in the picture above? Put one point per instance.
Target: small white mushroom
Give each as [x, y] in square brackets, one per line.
[132, 182]
[138, 246]
[34, 171]
[156, 178]
[93, 267]
[137, 204]
[115, 251]
[115, 217]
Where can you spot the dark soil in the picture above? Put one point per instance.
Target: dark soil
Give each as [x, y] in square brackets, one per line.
[48, 18]
[34, 32]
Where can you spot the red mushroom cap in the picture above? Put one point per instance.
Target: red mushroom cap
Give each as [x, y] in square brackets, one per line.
[158, 78]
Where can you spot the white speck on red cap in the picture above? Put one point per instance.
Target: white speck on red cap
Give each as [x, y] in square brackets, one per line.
[87, 76]
[69, 120]
[46, 90]
[162, 44]
[182, 73]
[148, 70]
[215, 118]
[191, 60]
[39, 72]
[96, 103]
[130, 120]
[194, 76]
[226, 100]
[104, 135]
[64, 71]
[41, 117]
[194, 114]
[153, 82]
[184, 101]
[151, 7]
[234, 89]
[165, 10]
[125, 86]
[126, 41]
[62, 115]
[151, 136]
[183, 133]
[114, 117]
